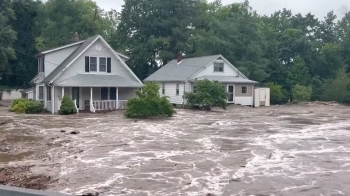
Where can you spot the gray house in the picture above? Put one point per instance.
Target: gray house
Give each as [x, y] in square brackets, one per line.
[179, 75]
[90, 71]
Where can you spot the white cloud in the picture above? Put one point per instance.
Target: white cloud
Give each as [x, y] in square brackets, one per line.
[317, 7]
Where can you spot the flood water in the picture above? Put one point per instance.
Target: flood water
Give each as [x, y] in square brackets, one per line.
[279, 150]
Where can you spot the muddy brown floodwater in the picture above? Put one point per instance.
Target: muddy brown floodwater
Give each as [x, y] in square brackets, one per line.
[280, 150]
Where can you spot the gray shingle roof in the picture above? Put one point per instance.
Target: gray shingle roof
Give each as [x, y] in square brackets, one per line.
[232, 79]
[27, 90]
[69, 59]
[98, 80]
[40, 76]
[183, 71]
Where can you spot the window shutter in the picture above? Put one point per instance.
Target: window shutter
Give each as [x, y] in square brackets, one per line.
[87, 64]
[109, 65]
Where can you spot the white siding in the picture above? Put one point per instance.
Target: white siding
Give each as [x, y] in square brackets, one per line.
[12, 94]
[209, 70]
[78, 67]
[126, 93]
[244, 100]
[30, 95]
[53, 59]
[170, 91]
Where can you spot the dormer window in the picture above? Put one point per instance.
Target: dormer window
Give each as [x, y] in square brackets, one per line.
[41, 67]
[218, 67]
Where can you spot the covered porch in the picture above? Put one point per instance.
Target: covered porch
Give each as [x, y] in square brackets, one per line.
[93, 93]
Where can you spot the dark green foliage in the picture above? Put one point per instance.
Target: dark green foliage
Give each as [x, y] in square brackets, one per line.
[27, 106]
[337, 89]
[276, 93]
[67, 106]
[301, 93]
[149, 103]
[208, 94]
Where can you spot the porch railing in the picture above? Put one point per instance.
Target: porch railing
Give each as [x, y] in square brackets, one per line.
[109, 105]
[75, 104]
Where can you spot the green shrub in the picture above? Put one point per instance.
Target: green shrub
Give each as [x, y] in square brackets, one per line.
[276, 93]
[27, 106]
[208, 94]
[301, 93]
[149, 103]
[67, 106]
[17, 101]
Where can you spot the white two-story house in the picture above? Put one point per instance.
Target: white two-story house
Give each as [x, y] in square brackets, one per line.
[90, 71]
[179, 76]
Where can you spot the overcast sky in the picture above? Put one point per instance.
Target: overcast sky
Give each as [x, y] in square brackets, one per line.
[317, 7]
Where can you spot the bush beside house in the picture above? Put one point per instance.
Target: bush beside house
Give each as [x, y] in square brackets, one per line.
[149, 103]
[208, 94]
[27, 106]
[67, 106]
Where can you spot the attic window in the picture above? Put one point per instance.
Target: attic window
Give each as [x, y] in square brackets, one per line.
[218, 67]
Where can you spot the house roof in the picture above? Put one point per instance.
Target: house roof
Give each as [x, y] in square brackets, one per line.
[69, 59]
[98, 80]
[62, 47]
[38, 78]
[187, 68]
[228, 79]
[27, 90]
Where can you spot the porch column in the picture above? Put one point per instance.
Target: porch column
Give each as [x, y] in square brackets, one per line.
[90, 97]
[52, 99]
[117, 99]
[62, 92]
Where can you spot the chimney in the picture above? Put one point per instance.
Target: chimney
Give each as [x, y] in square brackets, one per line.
[76, 37]
[179, 58]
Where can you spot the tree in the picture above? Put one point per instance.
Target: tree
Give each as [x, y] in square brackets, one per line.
[337, 89]
[301, 93]
[276, 93]
[7, 38]
[155, 31]
[208, 94]
[67, 106]
[149, 103]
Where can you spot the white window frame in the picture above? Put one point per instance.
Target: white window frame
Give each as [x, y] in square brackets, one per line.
[246, 87]
[99, 64]
[216, 66]
[96, 63]
[42, 93]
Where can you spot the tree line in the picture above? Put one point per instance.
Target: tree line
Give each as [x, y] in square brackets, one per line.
[285, 51]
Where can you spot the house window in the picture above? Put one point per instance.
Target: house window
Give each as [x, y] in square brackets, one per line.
[103, 64]
[93, 63]
[218, 67]
[104, 93]
[163, 88]
[41, 67]
[244, 89]
[194, 89]
[41, 92]
[48, 93]
[177, 89]
[112, 93]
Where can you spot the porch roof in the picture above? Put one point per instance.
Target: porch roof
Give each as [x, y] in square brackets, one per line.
[228, 79]
[97, 80]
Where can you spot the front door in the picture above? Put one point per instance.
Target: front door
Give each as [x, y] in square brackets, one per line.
[75, 95]
[231, 94]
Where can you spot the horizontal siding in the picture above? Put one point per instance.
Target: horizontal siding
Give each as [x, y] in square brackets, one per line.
[209, 70]
[53, 59]
[78, 67]
[170, 91]
[244, 100]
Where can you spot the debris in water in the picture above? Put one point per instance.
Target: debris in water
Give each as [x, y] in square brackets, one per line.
[234, 180]
[270, 156]
[74, 132]
[62, 131]
[90, 194]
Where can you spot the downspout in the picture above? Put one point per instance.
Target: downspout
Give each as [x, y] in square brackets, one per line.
[183, 96]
